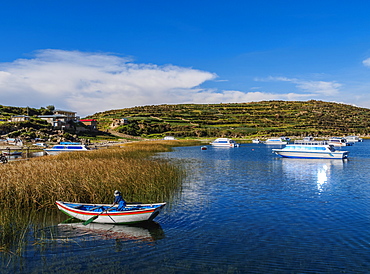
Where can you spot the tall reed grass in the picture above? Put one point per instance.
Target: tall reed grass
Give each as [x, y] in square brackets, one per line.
[28, 186]
[91, 176]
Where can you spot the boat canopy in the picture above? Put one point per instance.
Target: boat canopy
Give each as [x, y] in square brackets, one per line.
[68, 147]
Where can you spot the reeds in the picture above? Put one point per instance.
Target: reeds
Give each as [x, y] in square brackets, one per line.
[91, 177]
[28, 186]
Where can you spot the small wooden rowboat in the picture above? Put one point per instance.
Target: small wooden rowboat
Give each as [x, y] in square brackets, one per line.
[103, 213]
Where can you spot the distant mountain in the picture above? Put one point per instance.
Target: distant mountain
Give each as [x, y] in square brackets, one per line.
[265, 118]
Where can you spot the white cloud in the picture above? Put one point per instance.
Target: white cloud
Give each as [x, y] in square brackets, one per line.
[327, 88]
[91, 82]
[366, 62]
[94, 82]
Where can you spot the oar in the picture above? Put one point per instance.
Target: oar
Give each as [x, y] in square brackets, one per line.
[95, 217]
[67, 221]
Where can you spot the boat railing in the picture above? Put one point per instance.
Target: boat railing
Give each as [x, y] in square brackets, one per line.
[310, 143]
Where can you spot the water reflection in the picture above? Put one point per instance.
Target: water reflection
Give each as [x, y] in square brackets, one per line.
[314, 170]
[322, 177]
[146, 232]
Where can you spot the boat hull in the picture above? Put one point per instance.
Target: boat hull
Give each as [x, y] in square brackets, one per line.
[312, 155]
[15, 153]
[224, 145]
[55, 151]
[133, 213]
[275, 143]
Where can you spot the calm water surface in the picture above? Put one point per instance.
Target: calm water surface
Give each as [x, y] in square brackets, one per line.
[240, 210]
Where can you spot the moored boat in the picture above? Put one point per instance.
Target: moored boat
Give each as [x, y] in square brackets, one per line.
[224, 142]
[12, 153]
[103, 213]
[338, 142]
[308, 139]
[353, 139]
[315, 149]
[256, 141]
[66, 147]
[277, 141]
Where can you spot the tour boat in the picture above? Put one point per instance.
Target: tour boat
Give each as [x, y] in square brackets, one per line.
[66, 147]
[339, 142]
[315, 149]
[104, 213]
[224, 142]
[277, 141]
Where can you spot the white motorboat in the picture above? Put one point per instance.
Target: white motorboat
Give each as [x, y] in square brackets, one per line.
[224, 142]
[353, 139]
[277, 141]
[308, 139]
[256, 141]
[66, 147]
[338, 142]
[315, 149]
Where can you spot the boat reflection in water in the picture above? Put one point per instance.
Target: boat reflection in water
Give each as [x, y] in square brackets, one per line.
[145, 232]
[313, 170]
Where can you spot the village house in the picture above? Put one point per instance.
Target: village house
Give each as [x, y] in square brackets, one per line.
[119, 122]
[20, 118]
[60, 119]
[90, 123]
[71, 115]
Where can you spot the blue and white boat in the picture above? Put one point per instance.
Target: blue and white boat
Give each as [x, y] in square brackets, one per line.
[224, 142]
[315, 149]
[66, 147]
[106, 214]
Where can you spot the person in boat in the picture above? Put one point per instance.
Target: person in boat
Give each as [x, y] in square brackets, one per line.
[118, 200]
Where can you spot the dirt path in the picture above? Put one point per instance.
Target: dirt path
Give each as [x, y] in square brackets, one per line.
[116, 133]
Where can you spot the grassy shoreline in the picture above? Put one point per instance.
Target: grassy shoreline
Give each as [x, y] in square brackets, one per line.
[92, 176]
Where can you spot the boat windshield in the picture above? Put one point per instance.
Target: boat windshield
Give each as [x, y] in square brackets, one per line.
[58, 147]
[74, 147]
[303, 147]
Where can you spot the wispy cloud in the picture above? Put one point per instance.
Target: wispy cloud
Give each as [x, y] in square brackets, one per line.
[327, 88]
[366, 62]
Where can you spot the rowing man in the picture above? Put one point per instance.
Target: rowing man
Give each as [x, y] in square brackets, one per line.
[118, 200]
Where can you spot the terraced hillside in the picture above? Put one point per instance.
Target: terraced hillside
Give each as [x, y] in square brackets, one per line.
[265, 118]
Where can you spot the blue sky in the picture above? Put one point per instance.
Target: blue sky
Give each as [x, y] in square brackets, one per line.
[92, 56]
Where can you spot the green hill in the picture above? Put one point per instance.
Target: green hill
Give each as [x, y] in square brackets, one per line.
[265, 118]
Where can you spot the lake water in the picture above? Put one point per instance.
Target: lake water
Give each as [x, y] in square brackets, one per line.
[240, 210]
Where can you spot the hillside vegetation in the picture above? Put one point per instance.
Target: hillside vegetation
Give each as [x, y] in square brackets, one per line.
[238, 120]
